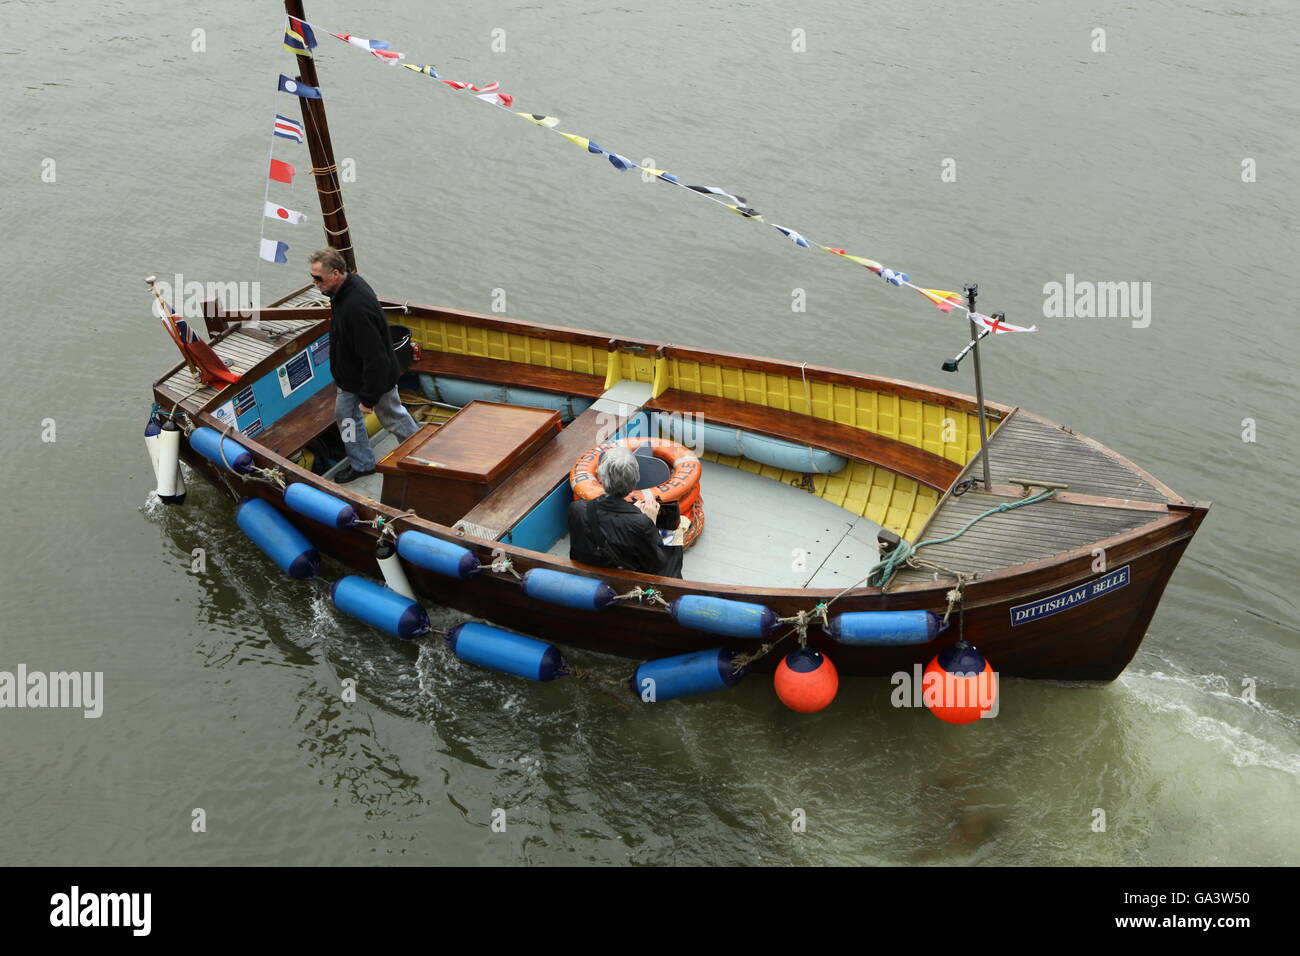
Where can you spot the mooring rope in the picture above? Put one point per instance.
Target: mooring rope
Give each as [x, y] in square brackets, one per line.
[271, 476]
[904, 554]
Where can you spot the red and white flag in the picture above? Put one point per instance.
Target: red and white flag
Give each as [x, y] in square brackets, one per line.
[998, 326]
[457, 84]
[272, 211]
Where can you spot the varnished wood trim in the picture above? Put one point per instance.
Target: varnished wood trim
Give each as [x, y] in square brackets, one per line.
[502, 372]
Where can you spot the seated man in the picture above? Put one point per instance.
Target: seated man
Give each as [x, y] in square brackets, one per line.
[614, 533]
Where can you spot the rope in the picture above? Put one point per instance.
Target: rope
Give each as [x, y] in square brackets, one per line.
[501, 564]
[271, 476]
[580, 673]
[738, 664]
[385, 525]
[643, 595]
[732, 202]
[881, 574]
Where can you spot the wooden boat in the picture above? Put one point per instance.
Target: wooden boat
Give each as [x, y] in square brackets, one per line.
[1064, 587]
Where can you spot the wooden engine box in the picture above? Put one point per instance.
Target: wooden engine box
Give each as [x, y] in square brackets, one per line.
[444, 471]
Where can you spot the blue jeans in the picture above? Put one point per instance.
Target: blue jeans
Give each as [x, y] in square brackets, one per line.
[391, 414]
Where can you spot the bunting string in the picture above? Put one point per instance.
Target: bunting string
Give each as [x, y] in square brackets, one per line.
[300, 36]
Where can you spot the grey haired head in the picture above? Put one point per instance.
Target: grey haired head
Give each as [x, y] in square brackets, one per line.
[618, 471]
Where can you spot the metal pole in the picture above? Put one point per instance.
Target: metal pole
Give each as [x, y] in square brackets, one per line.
[971, 290]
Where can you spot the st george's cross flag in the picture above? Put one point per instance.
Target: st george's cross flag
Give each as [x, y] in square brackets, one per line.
[298, 88]
[273, 251]
[273, 211]
[997, 326]
[289, 128]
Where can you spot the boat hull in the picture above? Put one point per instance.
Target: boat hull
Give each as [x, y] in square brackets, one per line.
[1093, 640]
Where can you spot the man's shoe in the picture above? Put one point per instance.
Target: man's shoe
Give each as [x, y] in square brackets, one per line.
[346, 474]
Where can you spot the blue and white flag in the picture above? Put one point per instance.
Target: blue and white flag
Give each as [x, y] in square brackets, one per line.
[793, 236]
[298, 88]
[619, 162]
[289, 128]
[273, 251]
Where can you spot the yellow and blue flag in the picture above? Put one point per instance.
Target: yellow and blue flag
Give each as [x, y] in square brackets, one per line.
[298, 37]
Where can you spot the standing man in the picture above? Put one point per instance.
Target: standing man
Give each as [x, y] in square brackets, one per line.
[362, 362]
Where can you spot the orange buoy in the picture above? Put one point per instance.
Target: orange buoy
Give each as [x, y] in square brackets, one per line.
[959, 685]
[806, 680]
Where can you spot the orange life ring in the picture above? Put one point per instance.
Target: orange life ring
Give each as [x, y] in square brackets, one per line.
[683, 485]
[696, 515]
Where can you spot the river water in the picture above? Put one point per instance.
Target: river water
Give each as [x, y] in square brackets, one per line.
[1168, 158]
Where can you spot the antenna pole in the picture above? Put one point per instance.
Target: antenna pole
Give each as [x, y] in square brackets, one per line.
[971, 291]
[328, 189]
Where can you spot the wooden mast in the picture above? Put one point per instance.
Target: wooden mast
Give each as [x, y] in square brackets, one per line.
[328, 189]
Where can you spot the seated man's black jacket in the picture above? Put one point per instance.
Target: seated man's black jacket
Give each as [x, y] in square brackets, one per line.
[631, 539]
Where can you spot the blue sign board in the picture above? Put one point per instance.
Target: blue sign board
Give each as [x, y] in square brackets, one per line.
[1046, 607]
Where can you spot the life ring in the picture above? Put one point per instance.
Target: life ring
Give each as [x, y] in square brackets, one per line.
[696, 514]
[682, 486]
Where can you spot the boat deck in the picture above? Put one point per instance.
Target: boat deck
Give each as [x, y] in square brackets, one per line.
[241, 350]
[763, 533]
[1024, 447]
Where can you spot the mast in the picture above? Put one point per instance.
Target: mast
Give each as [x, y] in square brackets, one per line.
[328, 189]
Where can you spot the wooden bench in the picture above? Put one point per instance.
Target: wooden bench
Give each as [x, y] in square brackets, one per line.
[924, 466]
[499, 371]
[296, 428]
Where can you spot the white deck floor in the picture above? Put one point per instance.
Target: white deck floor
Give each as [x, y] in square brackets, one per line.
[761, 532]
[382, 442]
[757, 531]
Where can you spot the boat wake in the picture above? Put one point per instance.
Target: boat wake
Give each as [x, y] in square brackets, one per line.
[1250, 733]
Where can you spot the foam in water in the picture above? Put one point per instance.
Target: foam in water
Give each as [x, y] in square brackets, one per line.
[1209, 713]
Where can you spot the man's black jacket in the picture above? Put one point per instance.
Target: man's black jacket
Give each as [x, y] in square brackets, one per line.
[631, 540]
[361, 352]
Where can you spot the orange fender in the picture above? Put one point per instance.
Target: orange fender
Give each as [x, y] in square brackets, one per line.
[683, 485]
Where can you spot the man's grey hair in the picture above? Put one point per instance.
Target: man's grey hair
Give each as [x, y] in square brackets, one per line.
[331, 259]
[618, 471]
